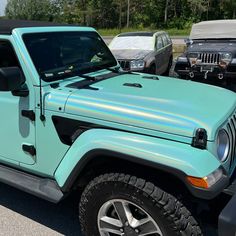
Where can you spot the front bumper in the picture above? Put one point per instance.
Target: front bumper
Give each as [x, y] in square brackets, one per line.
[227, 217]
[210, 75]
[202, 72]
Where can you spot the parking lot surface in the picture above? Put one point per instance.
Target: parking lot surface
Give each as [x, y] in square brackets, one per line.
[24, 214]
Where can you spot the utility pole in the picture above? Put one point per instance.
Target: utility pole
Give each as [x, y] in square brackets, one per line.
[120, 17]
[128, 9]
[166, 11]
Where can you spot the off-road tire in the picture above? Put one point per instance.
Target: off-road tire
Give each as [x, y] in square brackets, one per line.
[172, 216]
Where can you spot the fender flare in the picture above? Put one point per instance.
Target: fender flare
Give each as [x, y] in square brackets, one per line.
[179, 159]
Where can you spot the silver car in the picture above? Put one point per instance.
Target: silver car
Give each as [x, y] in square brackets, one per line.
[149, 52]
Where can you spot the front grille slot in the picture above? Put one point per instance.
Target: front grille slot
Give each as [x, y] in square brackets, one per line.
[231, 126]
[209, 58]
[124, 64]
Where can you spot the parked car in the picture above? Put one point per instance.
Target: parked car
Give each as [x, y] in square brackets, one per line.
[143, 51]
[211, 54]
[147, 153]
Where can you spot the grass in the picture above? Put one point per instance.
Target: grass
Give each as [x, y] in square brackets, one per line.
[172, 32]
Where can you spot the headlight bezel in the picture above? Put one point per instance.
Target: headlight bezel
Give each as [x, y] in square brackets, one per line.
[223, 145]
[137, 64]
[193, 57]
[226, 56]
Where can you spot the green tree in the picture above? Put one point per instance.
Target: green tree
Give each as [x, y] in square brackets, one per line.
[29, 9]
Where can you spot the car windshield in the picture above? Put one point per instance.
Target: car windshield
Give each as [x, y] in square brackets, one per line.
[58, 54]
[132, 42]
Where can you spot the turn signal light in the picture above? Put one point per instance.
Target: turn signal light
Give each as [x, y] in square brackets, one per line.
[198, 182]
[208, 181]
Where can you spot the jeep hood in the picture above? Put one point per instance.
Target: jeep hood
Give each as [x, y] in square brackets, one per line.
[162, 106]
[209, 46]
[131, 54]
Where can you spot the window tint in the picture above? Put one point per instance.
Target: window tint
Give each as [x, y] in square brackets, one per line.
[60, 53]
[168, 38]
[159, 43]
[7, 55]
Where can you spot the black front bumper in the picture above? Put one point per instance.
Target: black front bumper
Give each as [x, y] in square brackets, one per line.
[227, 217]
[184, 70]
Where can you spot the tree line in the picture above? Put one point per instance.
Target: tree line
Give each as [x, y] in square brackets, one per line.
[122, 13]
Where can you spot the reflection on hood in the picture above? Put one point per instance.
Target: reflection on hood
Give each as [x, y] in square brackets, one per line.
[130, 54]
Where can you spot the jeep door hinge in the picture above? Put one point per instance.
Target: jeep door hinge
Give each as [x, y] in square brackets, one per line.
[29, 148]
[29, 114]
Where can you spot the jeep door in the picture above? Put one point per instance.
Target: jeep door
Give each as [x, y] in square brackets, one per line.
[15, 130]
[160, 53]
[167, 51]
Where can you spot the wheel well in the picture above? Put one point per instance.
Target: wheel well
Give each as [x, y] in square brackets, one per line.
[108, 164]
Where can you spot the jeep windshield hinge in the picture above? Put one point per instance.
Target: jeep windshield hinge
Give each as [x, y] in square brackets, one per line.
[30, 114]
[29, 148]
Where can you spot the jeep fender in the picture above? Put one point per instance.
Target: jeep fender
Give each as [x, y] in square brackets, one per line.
[180, 158]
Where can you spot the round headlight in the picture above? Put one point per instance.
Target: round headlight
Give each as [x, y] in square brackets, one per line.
[222, 145]
[226, 56]
[193, 55]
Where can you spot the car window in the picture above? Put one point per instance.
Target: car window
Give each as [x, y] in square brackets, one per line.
[57, 53]
[7, 55]
[168, 38]
[165, 41]
[159, 43]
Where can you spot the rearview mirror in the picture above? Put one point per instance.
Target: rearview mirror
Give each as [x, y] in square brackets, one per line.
[11, 78]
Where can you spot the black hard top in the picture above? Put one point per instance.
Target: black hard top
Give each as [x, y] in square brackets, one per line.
[6, 26]
[142, 33]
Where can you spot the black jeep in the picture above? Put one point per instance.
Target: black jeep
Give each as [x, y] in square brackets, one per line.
[211, 54]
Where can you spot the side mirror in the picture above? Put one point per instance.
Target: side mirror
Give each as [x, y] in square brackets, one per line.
[188, 41]
[11, 78]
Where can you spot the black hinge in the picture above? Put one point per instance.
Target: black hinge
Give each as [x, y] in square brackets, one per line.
[29, 114]
[200, 139]
[30, 149]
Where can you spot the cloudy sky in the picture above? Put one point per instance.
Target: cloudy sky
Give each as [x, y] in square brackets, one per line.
[2, 6]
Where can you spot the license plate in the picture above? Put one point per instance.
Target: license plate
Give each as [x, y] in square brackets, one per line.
[207, 68]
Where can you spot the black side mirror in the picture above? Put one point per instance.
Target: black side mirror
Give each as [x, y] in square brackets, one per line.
[11, 78]
[188, 41]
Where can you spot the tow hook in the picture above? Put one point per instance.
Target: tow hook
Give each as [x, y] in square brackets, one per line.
[220, 76]
[205, 76]
[191, 74]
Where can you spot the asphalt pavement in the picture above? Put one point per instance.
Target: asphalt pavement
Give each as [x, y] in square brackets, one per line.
[25, 215]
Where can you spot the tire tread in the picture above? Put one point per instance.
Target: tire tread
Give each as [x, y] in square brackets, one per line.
[181, 220]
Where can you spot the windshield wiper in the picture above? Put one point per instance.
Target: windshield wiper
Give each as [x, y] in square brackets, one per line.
[50, 76]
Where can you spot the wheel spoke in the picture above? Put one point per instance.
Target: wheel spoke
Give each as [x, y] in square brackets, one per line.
[110, 225]
[147, 227]
[123, 212]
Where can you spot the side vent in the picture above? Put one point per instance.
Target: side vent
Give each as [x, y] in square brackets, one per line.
[135, 85]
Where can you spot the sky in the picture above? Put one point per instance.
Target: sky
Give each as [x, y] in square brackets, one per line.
[2, 6]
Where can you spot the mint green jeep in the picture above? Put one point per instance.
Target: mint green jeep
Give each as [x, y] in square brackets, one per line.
[145, 151]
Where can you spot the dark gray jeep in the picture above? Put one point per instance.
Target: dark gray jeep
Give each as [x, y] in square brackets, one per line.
[211, 54]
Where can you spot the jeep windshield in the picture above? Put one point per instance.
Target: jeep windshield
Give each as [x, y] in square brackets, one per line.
[58, 55]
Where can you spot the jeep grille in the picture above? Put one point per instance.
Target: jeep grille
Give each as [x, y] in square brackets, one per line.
[231, 126]
[209, 58]
[124, 64]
